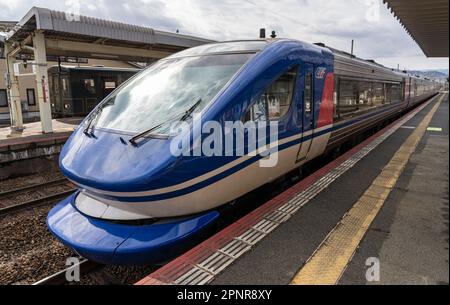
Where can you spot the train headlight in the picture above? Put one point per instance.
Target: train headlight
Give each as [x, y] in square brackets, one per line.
[66, 106]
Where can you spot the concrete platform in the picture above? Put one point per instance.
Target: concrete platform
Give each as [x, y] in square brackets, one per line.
[410, 234]
[33, 132]
[31, 144]
[376, 215]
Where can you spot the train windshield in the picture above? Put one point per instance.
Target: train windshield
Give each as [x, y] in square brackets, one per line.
[167, 88]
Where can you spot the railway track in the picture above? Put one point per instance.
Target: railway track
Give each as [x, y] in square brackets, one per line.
[60, 278]
[91, 273]
[41, 193]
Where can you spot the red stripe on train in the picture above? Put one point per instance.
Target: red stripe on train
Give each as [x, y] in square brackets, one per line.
[326, 107]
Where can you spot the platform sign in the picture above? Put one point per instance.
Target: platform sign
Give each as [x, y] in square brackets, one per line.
[45, 90]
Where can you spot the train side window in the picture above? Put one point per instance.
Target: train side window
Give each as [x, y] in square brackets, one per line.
[110, 85]
[379, 94]
[3, 98]
[393, 93]
[275, 102]
[348, 97]
[366, 96]
[65, 86]
[308, 92]
[89, 85]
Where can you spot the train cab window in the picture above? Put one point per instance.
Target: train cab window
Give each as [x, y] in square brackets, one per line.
[31, 97]
[167, 90]
[275, 102]
[3, 98]
[308, 93]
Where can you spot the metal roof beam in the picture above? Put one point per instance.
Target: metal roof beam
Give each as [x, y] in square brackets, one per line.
[89, 50]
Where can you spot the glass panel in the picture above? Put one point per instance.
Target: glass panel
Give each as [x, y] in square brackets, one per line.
[348, 97]
[31, 97]
[110, 85]
[167, 89]
[258, 112]
[275, 102]
[3, 98]
[357, 97]
[89, 85]
[365, 100]
[308, 93]
[393, 93]
[65, 87]
[379, 98]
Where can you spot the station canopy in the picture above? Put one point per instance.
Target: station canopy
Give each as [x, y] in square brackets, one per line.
[426, 22]
[81, 36]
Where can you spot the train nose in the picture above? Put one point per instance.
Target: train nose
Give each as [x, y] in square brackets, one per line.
[108, 162]
[125, 243]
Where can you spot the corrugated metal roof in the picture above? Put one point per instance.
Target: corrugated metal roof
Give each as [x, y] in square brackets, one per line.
[426, 22]
[60, 22]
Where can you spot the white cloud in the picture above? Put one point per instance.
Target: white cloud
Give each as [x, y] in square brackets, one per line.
[335, 22]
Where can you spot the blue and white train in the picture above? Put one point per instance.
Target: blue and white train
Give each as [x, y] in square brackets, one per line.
[138, 203]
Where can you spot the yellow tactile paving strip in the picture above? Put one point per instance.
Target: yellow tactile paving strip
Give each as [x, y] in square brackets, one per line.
[329, 261]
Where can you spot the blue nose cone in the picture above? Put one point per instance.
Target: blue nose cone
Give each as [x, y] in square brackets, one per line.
[107, 161]
[121, 244]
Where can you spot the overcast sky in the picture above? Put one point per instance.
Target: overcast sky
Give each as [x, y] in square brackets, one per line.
[377, 34]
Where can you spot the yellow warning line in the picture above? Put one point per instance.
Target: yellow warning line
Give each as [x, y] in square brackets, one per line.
[329, 261]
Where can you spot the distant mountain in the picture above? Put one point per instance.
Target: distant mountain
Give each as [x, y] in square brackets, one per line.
[438, 73]
[444, 71]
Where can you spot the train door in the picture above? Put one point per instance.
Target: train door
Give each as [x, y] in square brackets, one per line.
[307, 112]
[408, 91]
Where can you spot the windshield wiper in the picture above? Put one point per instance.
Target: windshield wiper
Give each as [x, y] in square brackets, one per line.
[91, 124]
[185, 115]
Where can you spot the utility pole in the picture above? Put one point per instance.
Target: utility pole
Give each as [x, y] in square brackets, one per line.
[353, 45]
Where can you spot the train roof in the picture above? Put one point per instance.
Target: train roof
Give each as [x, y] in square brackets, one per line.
[346, 64]
[341, 53]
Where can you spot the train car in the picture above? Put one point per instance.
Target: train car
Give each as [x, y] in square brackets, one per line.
[76, 91]
[140, 203]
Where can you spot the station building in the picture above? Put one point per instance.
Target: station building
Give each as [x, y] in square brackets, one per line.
[44, 38]
[27, 82]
